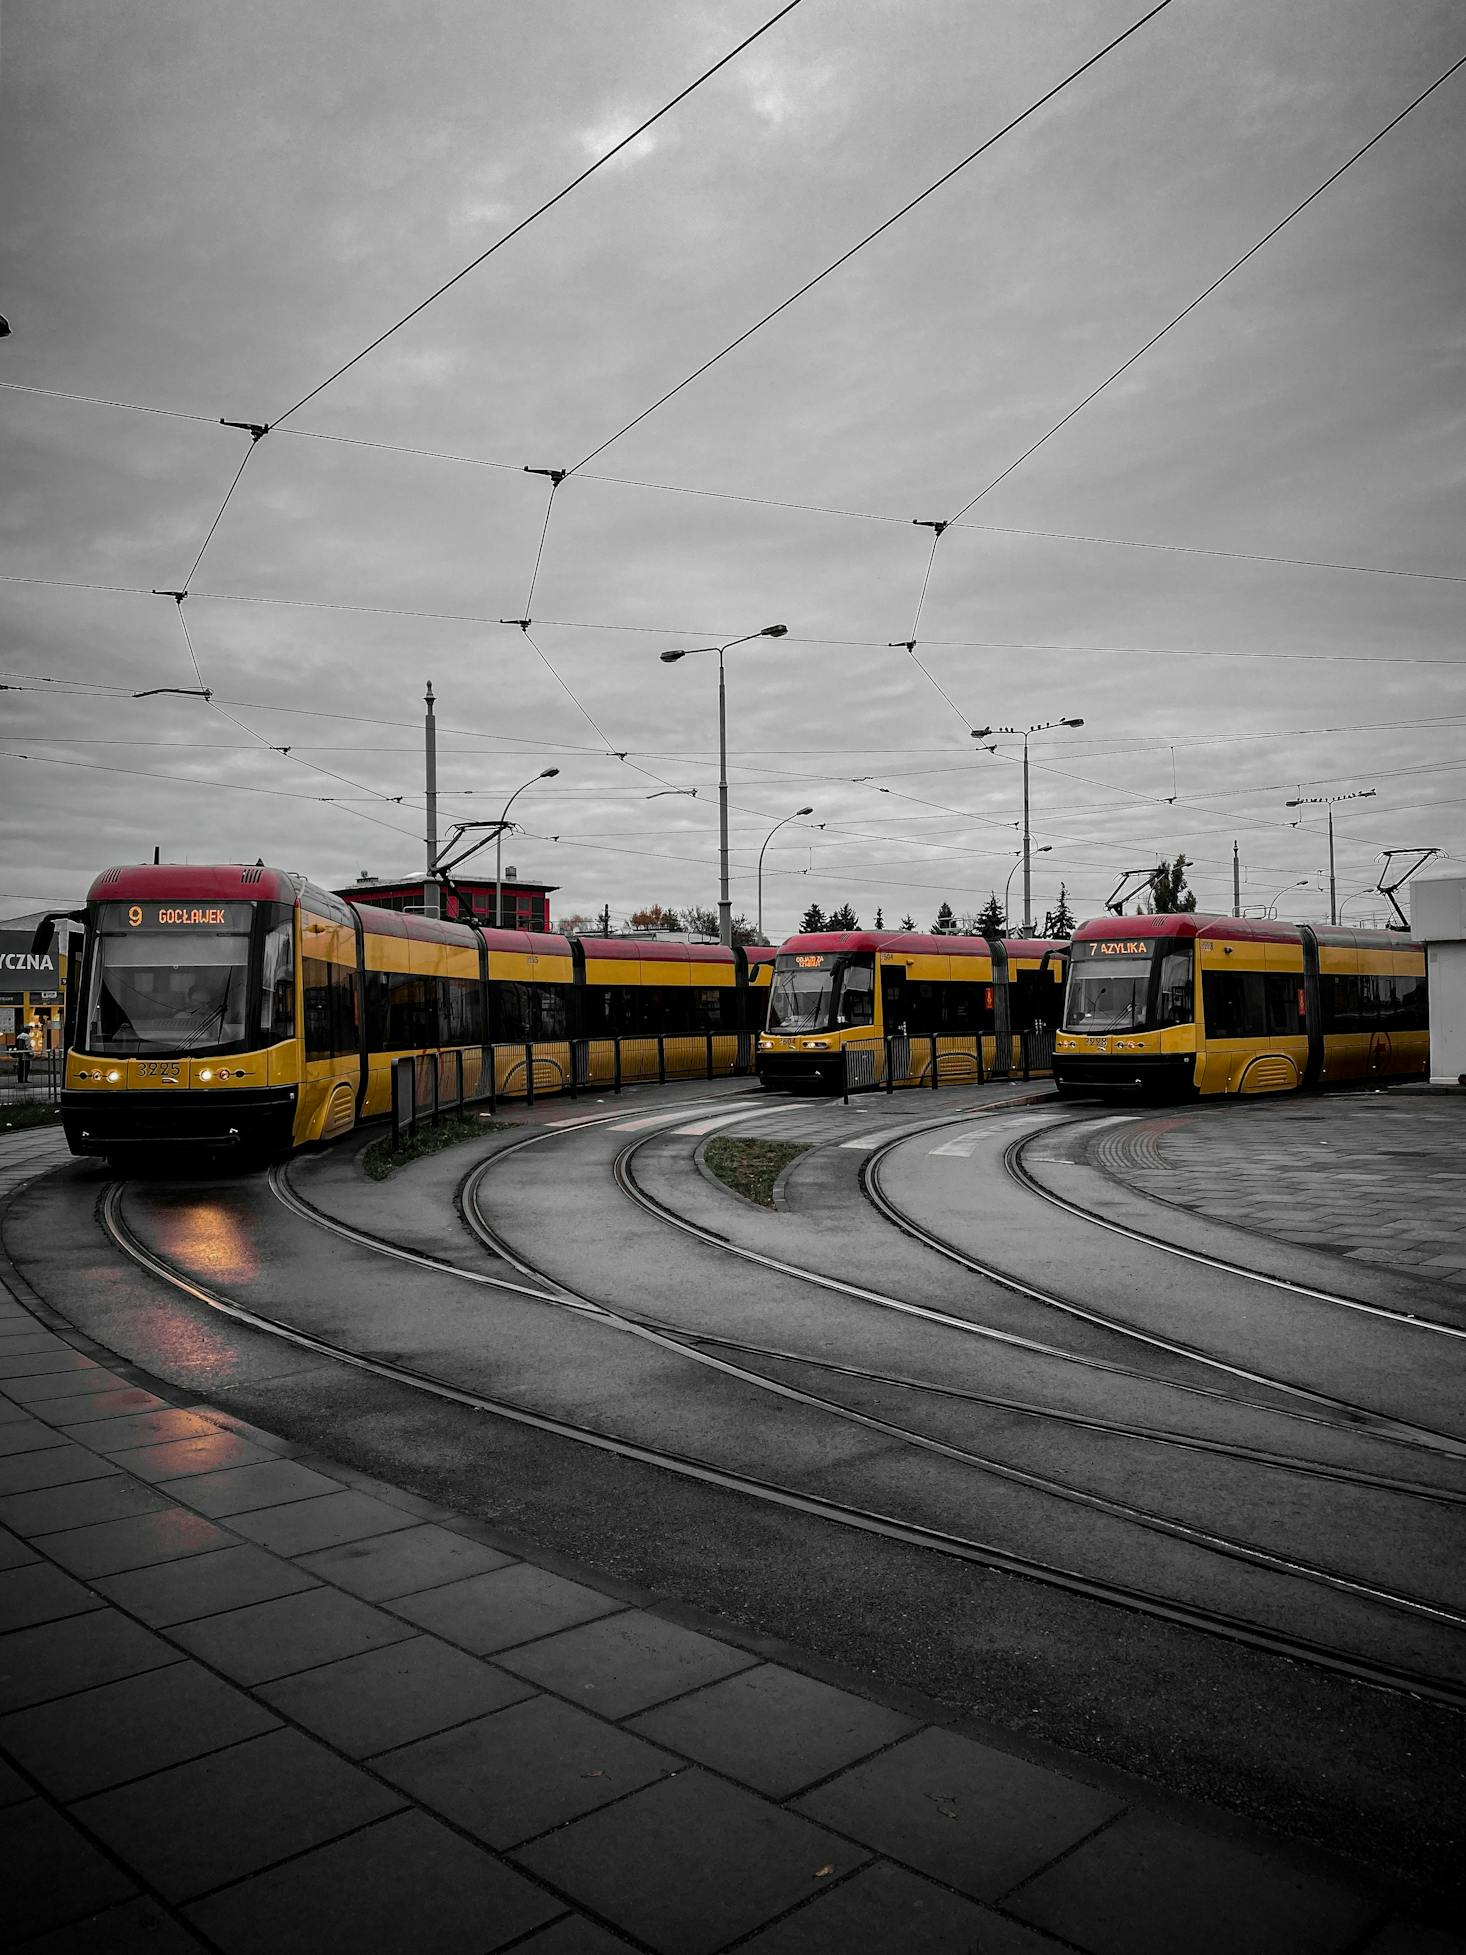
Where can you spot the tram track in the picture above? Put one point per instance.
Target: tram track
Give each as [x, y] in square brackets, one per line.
[1371, 1670]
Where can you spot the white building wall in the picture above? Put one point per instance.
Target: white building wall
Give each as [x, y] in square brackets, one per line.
[1438, 919]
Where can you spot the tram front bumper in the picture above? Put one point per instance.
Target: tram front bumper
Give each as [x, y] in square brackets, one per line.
[114, 1123]
[1164, 1075]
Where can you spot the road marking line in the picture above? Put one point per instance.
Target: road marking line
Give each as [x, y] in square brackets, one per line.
[726, 1119]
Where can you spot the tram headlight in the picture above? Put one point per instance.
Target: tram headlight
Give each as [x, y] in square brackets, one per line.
[207, 1073]
[113, 1076]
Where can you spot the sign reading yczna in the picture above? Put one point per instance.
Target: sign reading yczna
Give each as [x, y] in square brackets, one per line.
[23, 969]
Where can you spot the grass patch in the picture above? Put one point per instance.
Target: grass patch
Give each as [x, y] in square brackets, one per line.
[451, 1131]
[31, 1113]
[751, 1167]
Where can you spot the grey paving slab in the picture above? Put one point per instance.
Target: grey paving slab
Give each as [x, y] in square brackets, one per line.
[20, 1434]
[177, 1459]
[41, 1593]
[61, 1657]
[13, 1788]
[976, 1818]
[148, 1429]
[509, 1605]
[194, 1827]
[773, 1729]
[110, 1547]
[690, 1864]
[405, 1883]
[129, 1729]
[573, 1934]
[90, 1501]
[140, 1927]
[523, 1770]
[296, 1632]
[53, 1357]
[626, 1662]
[394, 1565]
[305, 1525]
[389, 1697]
[885, 1908]
[53, 1872]
[204, 1585]
[51, 1466]
[238, 1489]
[1147, 1886]
[13, 1551]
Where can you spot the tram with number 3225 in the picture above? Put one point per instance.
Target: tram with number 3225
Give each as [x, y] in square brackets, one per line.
[244, 1008]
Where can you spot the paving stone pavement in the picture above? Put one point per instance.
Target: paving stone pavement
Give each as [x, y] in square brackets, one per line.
[1378, 1177]
[250, 1699]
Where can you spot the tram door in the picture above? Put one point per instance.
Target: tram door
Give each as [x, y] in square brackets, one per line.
[894, 1022]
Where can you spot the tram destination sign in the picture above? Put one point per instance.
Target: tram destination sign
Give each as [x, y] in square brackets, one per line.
[1116, 947]
[173, 916]
[23, 969]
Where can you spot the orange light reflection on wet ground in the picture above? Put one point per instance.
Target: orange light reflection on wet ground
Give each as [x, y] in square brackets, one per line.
[204, 1239]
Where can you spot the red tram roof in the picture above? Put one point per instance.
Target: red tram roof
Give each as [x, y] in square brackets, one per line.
[828, 941]
[1235, 929]
[218, 882]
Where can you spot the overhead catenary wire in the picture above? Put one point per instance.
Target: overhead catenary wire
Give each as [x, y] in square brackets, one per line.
[548, 205]
[871, 236]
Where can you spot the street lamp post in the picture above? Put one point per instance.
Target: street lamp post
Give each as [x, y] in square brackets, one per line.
[440, 864]
[545, 774]
[767, 839]
[1268, 908]
[1047, 849]
[725, 907]
[1327, 801]
[1043, 726]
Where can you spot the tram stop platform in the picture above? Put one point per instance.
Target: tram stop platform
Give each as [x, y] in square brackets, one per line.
[252, 1700]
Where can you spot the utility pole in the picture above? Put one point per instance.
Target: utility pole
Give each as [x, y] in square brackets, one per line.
[430, 881]
[1236, 883]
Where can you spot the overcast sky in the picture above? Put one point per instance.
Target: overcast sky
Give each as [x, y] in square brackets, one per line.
[209, 208]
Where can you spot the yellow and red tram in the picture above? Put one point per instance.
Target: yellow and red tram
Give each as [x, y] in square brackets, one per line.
[1181, 1005]
[236, 1006]
[851, 1006]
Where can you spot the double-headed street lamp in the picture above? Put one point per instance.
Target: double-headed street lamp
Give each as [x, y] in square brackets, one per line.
[1327, 801]
[725, 907]
[767, 839]
[1043, 726]
[1047, 849]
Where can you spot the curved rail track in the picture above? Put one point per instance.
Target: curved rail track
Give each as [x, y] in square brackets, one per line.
[739, 1360]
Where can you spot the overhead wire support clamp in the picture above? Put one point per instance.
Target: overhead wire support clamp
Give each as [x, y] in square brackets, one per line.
[177, 596]
[926, 522]
[556, 475]
[256, 430]
[523, 623]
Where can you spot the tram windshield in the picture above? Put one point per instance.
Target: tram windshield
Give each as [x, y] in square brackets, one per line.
[1109, 986]
[169, 979]
[817, 991]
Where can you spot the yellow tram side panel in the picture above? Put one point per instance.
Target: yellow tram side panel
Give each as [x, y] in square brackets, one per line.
[1261, 1063]
[326, 1103]
[550, 1058]
[1383, 1052]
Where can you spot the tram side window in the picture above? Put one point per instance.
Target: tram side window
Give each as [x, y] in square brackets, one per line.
[1343, 1009]
[330, 1008]
[1176, 1003]
[316, 974]
[857, 995]
[552, 1015]
[412, 1010]
[375, 1006]
[509, 1011]
[277, 982]
[948, 1009]
[462, 1011]
[1252, 1004]
[1412, 1008]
